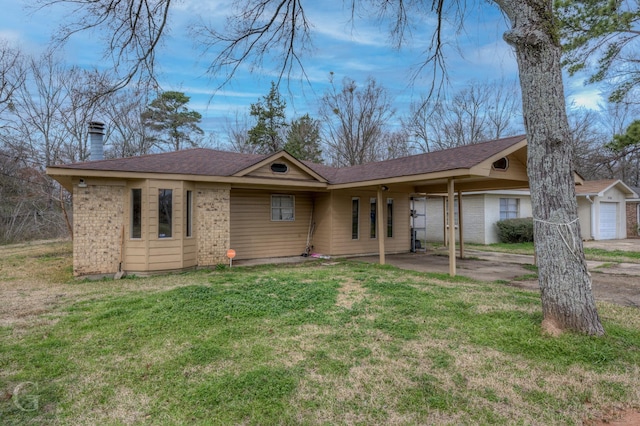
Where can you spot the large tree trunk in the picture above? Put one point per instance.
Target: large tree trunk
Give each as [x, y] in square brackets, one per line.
[565, 283]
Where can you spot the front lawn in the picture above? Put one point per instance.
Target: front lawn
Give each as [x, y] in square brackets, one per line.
[337, 343]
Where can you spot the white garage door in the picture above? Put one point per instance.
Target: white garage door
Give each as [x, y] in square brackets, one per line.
[608, 221]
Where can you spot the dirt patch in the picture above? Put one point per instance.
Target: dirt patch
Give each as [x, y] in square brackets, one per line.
[350, 292]
[617, 417]
[622, 290]
[36, 280]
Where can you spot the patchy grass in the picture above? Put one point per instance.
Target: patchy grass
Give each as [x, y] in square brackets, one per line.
[590, 253]
[349, 343]
[612, 255]
[514, 248]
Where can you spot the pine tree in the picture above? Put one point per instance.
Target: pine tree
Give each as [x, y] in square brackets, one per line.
[267, 134]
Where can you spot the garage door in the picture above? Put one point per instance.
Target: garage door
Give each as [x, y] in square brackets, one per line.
[608, 221]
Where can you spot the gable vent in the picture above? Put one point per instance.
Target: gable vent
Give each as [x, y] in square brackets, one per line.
[501, 164]
[279, 168]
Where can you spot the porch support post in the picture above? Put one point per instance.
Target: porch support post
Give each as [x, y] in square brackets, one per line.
[452, 229]
[380, 225]
[444, 221]
[460, 223]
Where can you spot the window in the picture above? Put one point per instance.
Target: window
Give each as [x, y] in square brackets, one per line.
[282, 208]
[389, 217]
[136, 213]
[189, 216]
[372, 231]
[509, 208]
[355, 215]
[279, 168]
[165, 213]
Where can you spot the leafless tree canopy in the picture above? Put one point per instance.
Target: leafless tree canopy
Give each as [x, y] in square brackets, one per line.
[355, 120]
[479, 112]
[132, 31]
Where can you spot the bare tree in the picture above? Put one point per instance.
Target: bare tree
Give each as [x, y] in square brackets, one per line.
[131, 31]
[355, 120]
[37, 111]
[127, 135]
[478, 112]
[238, 134]
[12, 76]
[84, 103]
[396, 145]
[587, 140]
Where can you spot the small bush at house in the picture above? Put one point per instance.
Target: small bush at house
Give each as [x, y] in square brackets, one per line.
[515, 230]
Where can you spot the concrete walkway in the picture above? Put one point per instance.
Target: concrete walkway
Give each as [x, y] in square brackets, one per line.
[482, 265]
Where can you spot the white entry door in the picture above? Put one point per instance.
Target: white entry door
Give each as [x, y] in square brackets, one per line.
[608, 221]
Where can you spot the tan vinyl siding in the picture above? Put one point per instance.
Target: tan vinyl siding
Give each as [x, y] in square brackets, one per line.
[343, 244]
[517, 170]
[190, 244]
[255, 235]
[165, 253]
[323, 219]
[136, 249]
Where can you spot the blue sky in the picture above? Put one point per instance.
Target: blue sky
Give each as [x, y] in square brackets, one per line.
[357, 50]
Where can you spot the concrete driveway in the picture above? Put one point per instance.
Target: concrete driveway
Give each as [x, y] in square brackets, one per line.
[612, 282]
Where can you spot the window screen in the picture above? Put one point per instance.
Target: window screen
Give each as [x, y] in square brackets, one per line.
[282, 208]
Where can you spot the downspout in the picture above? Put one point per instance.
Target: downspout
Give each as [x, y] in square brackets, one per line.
[593, 217]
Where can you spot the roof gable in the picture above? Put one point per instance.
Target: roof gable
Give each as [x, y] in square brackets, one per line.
[296, 169]
[599, 187]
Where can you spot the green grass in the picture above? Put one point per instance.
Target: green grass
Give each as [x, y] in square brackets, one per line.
[590, 253]
[612, 255]
[351, 343]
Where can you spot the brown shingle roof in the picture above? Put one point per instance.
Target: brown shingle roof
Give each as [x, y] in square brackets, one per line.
[462, 157]
[594, 186]
[208, 162]
[197, 161]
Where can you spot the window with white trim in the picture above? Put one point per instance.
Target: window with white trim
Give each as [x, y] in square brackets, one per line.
[373, 214]
[282, 208]
[389, 217]
[509, 208]
[355, 218]
[136, 213]
[165, 213]
[189, 214]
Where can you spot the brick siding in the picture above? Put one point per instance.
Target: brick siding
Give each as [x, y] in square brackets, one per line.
[212, 213]
[98, 214]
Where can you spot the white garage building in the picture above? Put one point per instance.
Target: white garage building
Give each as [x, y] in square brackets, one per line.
[601, 211]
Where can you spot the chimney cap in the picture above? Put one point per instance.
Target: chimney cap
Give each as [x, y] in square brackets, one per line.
[96, 127]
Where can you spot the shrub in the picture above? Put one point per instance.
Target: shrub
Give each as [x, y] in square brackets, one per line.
[515, 230]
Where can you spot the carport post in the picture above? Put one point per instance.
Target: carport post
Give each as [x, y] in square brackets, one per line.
[452, 229]
[460, 228]
[380, 223]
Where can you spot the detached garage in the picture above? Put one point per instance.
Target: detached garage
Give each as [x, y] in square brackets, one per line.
[601, 209]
